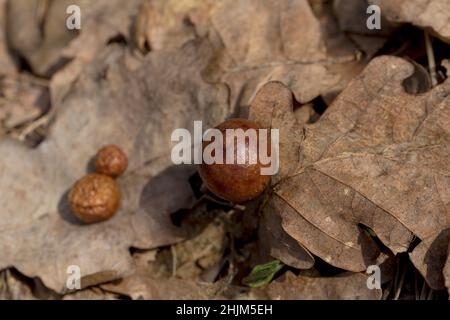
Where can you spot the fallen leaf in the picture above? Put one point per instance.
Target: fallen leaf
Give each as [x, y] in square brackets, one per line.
[352, 17]
[109, 104]
[93, 293]
[447, 271]
[432, 15]
[174, 273]
[346, 286]
[37, 31]
[429, 258]
[7, 64]
[275, 242]
[22, 99]
[13, 286]
[163, 24]
[139, 288]
[376, 157]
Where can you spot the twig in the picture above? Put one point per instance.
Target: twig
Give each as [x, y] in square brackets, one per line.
[430, 294]
[226, 204]
[431, 60]
[173, 250]
[44, 120]
[423, 291]
[398, 289]
[416, 286]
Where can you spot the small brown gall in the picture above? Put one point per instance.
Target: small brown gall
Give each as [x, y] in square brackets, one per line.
[111, 160]
[94, 198]
[236, 182]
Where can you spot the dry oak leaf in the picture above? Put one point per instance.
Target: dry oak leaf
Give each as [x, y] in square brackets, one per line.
[165, 24]
[272, 107]
[346, 286]
[148, 288]
[37, 30]
[7, 65]
[433, 15]
[287, 43]
[152, 281]
[137, 110]
[446, 271]
[377, 157]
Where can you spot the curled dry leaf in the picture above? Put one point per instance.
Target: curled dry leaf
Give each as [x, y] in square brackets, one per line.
[432, 15]
[37, 30]
[176, 273]
[140, 288]
[377, 157]
[446, 271]
[13, 286]
[288, 42]
[348, 285]
[352, 18]
[165, 24]
[430, 256]
[22, 100]
[7, 65]
[137, 110]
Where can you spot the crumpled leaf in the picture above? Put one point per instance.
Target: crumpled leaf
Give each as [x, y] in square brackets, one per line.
[348, 285]
[12, 287]
[446, 271]
[22, 99]
[429, 258]
[145, 288]
[150, 280]
[377, 157]
[352, 18]
[165, 24]
[429, 14]
[7, 65]
[136, 110]
[287, 43]
[272, 107]
[38, 32]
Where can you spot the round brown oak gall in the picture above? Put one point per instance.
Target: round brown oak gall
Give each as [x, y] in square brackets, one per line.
[235, 182]
[94, 198]
[111, 160]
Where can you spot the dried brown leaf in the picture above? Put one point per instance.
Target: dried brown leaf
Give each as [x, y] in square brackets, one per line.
[306, 287]
[137, 110]
[377, 157]
[429, 14]
[446, 271]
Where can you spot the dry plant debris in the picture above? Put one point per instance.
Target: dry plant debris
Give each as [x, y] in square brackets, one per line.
[364, 147]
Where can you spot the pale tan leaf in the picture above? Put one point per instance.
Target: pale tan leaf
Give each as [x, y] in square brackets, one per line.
[136, 110]
[377, 157]
[429, 14]
[306, 287]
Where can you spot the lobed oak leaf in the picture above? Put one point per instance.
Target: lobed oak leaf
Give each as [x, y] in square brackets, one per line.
[377, 157]
[135, 109]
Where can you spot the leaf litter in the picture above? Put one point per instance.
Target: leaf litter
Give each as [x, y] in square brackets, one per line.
[374, 160]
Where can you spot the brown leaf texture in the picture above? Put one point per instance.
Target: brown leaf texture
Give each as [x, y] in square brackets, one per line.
[287, 42]
[447, 271]
[37, 35]
[137, 110]
[345, 286]
[377, 157]
[433, 15]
